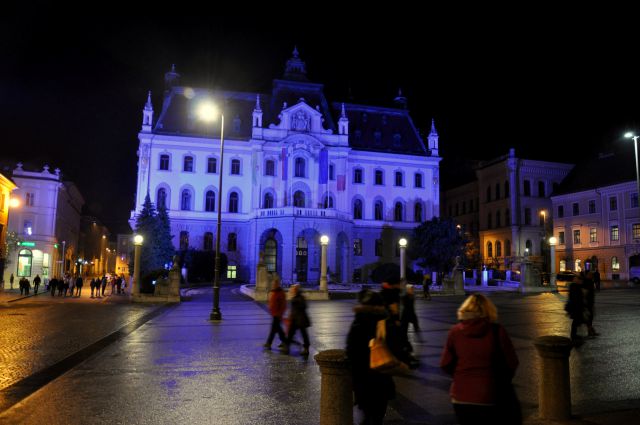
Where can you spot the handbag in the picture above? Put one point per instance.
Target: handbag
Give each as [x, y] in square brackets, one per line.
[508, 406]
[381, 359]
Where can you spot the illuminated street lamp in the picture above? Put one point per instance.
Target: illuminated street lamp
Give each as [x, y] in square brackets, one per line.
[630, 135]
[137, 242]
[209, 113]
[553, 241]
[403, 246]
[324, 242]
[14, 202]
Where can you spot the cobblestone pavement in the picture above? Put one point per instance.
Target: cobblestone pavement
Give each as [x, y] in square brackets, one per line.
[38, 331]
[181, 368]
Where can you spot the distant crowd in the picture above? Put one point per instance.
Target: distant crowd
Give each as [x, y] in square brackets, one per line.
[71, 286]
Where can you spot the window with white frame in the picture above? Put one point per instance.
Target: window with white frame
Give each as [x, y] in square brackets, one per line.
[636, 230]
[187, 165]
[235, 167]
[615, 264]
[615, 233]
[270, 168]
[164, 162]
[593, 235]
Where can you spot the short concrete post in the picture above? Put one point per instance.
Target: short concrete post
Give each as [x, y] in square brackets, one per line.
[554, 393]
[336, 392]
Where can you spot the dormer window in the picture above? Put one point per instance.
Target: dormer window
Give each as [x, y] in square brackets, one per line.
[397, 139]
[237, 122]
[377, 137]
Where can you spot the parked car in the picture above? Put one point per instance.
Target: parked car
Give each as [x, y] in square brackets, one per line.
[565, 276]
[634, 274]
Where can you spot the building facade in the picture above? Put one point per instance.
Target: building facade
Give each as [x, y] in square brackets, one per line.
[511, 208]
[596, 219]
[124, 248]
[295, 167]
[92, 247]
[6, 187]
[46, 223]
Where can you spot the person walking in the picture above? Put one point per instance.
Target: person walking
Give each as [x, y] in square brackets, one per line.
[36, 283]
[92, 285]
[11, 278]
[589, 292]
[596, 279]
[78, 286]
[480, 356]
[575, 307]
[409, 311]
[53, 285]
[298, 319]
[372, 390]
[21, 284]
[426, 285]
[277, 307]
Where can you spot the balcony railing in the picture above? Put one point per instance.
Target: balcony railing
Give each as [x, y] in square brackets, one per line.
[302, 212]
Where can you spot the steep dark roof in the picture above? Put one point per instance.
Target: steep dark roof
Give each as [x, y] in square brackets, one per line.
[605, 170]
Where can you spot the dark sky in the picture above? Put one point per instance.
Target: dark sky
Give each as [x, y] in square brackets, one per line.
[557, 85]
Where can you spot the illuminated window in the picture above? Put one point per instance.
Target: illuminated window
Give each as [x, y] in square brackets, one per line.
[563, 265]
[576, 237]
[636, 230]
[28, 227]
[270, 254]
[615, 233]
[24, 263]
[577, 266]
[593, 234]
[615, 264]
[232, 272]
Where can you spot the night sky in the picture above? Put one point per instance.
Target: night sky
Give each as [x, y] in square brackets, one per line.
[558, 86]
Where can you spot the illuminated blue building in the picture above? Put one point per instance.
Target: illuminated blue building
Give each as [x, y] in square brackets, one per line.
[295, 167]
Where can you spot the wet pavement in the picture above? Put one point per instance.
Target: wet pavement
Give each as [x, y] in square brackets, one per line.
[180, 368]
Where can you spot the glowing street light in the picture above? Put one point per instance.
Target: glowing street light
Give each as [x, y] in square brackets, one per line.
[14, 202]
[208, 112]
[324, 242]
[553, 241]
[403, 246]
[630, 135]
[137, 242]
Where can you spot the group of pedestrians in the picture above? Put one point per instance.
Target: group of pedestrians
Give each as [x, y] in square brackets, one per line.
[25, 285]
[298, 318]
[580, 305]
[71, 286]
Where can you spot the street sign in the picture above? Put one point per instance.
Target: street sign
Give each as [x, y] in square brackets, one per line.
[28, 244]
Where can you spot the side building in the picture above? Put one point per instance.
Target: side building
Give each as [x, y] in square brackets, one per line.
[510, 211]
[295, 167]
[596, 219]
[46, 223]
[6, 187]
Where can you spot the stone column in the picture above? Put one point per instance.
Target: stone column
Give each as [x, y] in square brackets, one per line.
[336, 391]
[136, 269]
[554, 391]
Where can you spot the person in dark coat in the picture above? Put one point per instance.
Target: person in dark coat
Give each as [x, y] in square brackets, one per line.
[588, 290]
[53, 285]
[11, 278]
[298, 319]
[36, 283]
[575, 307]
[470, 356]
[372, 390]
[277, 307]
[596, 279]
[409, 311]
[78, 286]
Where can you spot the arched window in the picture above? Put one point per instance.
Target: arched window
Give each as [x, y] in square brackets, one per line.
[208, 241]
[271, 254]
[184, 240]
[210, 201]
[185, 200]
[268, 201]
[298, 199]
[615, 264]
[417, 212]
[25, 258]
[357, 209]
[188, 164]
[161, 198]
[328, 201]
[489, 250]
[498, 249]
[378, 210]
[232, 242]
[300, 168]
[233, 202]
[397, 212]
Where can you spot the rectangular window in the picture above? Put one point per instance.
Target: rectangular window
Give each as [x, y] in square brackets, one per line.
[357, 247]
[527, 188]
[378, 248]
[613, 203]
[357, 175]
[235, 166]
[593, 235]
[636, 230]
[232, 272]
[184, 240]
[379, 178]
[29, 199]
[541, 191]
[188, 164]
[332, 175]
[561, 238]
[527, 216]
[28, 227]
[418, 180]
[560, 211]
[615, 234]
[576, 237]
[576, 208]
[212, 165]
[270, 168]
[399, 181]
[592, 206]
[164, 162]
[634, 200]
[232, 242]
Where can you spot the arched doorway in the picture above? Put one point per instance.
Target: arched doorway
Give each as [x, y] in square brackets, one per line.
[25, 260]
[271, 247]
[307, 262]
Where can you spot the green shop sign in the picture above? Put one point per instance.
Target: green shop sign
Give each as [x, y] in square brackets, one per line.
[28, 244]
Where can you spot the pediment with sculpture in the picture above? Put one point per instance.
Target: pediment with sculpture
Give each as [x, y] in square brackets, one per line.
[301, 118]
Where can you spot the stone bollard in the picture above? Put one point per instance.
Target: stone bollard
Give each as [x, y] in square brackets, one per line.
[554, 393]
[336, 393]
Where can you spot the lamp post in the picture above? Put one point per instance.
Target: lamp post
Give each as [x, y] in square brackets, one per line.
[209, 113]
[137, 243]
[553, 241]
[324, 242]
[630, 135]
[403, 246]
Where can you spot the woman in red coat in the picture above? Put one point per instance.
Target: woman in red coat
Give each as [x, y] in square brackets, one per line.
[479, 354]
